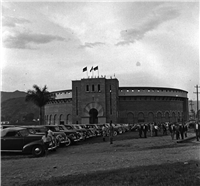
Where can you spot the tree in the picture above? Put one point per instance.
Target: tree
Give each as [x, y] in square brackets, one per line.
[39, 97]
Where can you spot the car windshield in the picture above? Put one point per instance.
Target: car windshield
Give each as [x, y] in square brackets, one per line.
[54, 128]
[69, 127]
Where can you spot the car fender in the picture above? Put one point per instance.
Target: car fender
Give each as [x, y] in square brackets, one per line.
[28, 147]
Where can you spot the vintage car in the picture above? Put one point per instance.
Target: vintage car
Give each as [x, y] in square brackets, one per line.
[78, 128]
[72, 134]
[63, 138]
[40, 130]
[89, 131]
[93, 128]
[18, 139]
[116, 129]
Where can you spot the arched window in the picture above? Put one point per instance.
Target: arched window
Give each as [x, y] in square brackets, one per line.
[68, 119]
[159, 117]
[179, 117]
[151, 117]
[54, 120]
[167, 118]
[141, 117]
[61, 121]
[173, 117]
[50, 120]
[47, 117]
[130, 118]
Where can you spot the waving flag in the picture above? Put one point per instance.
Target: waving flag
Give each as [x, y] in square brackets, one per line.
[84, 69]
[96, 68]
[91, 69]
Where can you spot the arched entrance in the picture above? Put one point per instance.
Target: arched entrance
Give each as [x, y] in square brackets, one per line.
[93, 116]
[130, 118]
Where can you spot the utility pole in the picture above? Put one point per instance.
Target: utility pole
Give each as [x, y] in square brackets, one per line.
[191, 104]
[197, 87]
[192, 111]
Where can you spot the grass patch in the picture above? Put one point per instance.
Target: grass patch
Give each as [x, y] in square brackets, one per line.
[176, 174]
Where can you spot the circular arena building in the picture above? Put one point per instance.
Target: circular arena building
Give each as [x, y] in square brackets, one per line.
[101, 100]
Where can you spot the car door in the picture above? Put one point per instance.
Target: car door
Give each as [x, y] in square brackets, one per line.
[12, 141]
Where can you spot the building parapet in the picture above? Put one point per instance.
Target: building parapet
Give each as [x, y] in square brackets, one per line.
[152, 91]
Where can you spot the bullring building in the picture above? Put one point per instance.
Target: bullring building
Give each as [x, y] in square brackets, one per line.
[101, 100]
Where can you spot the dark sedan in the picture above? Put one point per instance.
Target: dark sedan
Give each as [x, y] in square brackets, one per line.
[18, 139]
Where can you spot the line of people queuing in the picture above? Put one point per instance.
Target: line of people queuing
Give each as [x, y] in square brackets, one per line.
[176, 130]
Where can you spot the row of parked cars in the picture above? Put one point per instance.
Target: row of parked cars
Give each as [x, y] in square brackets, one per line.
[28, 139]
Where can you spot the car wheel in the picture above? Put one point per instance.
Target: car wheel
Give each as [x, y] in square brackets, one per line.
[115, 133]
[68, 142]
[37, 150]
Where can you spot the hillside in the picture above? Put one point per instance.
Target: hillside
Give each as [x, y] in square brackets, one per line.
[9, 95]
[17, 109]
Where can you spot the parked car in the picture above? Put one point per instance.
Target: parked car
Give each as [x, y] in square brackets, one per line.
[77, 128]
[73, 135]
[90, 132]
[18, 139]
[40, 130]
[61, 137]
[126, 127]
[116, 131]
[93, 129]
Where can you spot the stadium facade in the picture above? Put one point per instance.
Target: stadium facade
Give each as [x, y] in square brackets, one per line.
[101, 100]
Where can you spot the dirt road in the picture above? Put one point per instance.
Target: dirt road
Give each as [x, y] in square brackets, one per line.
[84, 158]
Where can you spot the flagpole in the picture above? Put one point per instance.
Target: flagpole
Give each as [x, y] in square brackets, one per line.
[87, 74]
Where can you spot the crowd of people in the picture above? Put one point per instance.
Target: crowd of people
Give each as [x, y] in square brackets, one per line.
[176, 130]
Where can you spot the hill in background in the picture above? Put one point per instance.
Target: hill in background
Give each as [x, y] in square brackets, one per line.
[9, 95]
[14, 108]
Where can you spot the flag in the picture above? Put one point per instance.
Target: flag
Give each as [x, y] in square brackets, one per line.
[84, 69]
[91, 69]
[96, 68]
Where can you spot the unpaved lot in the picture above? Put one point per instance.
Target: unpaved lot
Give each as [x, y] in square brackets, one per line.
[90, 157]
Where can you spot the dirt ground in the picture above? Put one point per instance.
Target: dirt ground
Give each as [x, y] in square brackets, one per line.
[127, 151]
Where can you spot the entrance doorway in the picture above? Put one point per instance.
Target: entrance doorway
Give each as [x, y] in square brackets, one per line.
[93, 116]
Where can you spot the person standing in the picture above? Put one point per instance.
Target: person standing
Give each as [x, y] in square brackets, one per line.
[172, 130]
[104, 132]
[156, 129]
[151, 129]
[140, 130]
[177, 132]
[145, 129]
[46, 140]
[185, 130]
[164, 129]
[111, 132]
[181, 129]
[197, 131]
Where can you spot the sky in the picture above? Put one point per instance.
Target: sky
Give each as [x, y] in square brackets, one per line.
[146, 43]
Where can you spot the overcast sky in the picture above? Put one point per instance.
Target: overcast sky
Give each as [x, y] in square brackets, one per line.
[142, 43]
